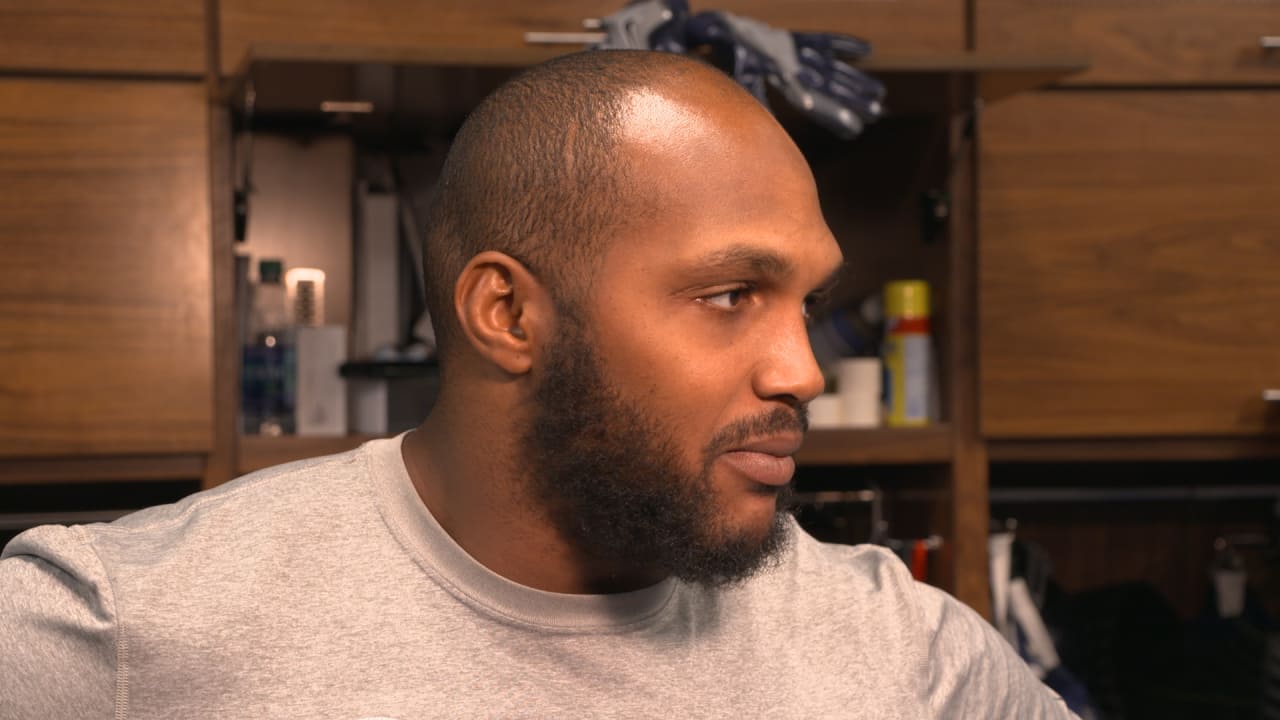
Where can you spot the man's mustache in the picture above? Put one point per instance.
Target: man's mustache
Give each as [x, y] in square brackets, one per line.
[774, 422]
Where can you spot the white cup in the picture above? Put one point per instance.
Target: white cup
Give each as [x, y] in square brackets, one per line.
[860, 382]
[825, 411]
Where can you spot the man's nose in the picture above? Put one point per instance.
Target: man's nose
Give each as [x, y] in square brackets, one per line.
[788, 369]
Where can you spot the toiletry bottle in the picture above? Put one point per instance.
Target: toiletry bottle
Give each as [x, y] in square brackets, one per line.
[908, 354]
[268, 369]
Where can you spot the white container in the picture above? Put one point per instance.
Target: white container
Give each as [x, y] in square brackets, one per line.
[860, 381]
[321, 404]
[824, 412]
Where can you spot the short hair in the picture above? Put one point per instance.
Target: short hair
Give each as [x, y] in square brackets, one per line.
[535, 172]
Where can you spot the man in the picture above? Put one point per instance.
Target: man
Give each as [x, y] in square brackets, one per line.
[621, 253]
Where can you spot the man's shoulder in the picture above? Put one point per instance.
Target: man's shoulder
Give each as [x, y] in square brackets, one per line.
[299, 486]
[870, 576]
[291, 492]
[861, 591]
[852, 568]
[249, 509]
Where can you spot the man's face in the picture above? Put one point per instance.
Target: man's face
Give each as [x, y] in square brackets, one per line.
[613, 479]
[669, 406]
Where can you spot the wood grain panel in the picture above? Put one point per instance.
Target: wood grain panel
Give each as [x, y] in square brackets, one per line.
[105, 300]
[1170, 547]
[967, 486]
[1130, 264]
[225, 329]
[903, 26]
[875, 446]
[258, 451]
[121, 36]
[1140, 41]
[1224, 447]
[99, 469]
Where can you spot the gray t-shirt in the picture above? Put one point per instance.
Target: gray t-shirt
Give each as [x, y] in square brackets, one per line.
[325, 589]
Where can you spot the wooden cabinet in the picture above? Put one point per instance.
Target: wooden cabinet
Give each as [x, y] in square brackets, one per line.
[900, 199]
[1130, 264]
[103, 36]
[105, 297]
[917, 27]
[1140, 41]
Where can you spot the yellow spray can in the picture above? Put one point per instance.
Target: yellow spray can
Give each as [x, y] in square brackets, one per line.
[908, 354]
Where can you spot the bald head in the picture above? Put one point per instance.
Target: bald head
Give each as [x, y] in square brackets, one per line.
[540, 169]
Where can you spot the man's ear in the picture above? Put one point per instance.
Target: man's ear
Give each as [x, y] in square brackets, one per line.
[502, 309]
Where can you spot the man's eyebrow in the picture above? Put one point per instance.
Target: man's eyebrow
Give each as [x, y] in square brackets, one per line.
[745, 258]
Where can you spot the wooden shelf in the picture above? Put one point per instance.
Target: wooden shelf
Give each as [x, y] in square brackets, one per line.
[40, 471]
[997, 75]
[1134, 449]
[272, 68]
[259, 451]
[878, 446]
[956, 62]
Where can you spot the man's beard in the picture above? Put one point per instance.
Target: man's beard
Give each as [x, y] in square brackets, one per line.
[612, 479]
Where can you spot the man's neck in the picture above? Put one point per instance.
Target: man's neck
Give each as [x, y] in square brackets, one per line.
[467, 474]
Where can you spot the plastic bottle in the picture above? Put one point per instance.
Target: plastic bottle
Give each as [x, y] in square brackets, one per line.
[268, 383]
[909, 390]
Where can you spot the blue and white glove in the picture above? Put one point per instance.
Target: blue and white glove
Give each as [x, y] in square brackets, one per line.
[647, 25]
[805, 67]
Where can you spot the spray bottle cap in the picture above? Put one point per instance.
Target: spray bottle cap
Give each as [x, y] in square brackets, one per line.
[906, 298]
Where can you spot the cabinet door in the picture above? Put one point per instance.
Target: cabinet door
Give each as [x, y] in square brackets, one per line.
[123, 36]
[916, 27]
[1130, 264]
[1140, 41]
[105, 293]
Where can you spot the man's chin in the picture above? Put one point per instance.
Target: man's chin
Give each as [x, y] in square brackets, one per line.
[741, 553]
[762, 509]
[757, 526]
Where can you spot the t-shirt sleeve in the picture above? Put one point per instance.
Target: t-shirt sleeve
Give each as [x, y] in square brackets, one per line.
[58, 628]
[975, 673]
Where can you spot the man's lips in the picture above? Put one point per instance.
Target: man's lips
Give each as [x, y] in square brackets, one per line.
[766, 461]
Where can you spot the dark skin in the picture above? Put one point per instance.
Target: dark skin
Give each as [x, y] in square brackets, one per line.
[698, 312]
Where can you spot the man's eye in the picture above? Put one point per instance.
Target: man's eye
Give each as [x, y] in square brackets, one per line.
[810, 304]
[813, 304]
[728, 299]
